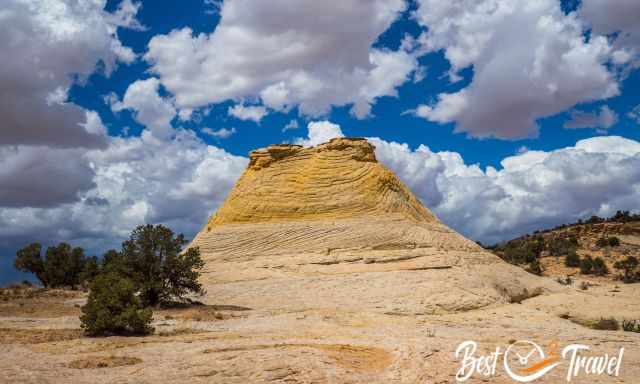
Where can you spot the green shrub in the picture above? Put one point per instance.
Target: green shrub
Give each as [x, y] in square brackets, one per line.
[586, 265]
[629, 269]
[535, 268]
[572, 260]
[631, 326]
[113, 308]
[29, 259]
[559, 246]
[608, 242]
[599, 267]
[90, 269]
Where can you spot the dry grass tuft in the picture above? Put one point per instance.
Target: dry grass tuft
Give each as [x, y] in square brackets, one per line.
[94, 362]
[29, 292]
[37, 336]
[179, 331]
[199, 313]
[26, 301]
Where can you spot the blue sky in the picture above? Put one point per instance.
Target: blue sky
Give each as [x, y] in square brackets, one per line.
[388, 121]
[502, 116]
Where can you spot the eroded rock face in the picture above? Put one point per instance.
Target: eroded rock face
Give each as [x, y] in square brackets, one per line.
[330, 227]
[338, 179]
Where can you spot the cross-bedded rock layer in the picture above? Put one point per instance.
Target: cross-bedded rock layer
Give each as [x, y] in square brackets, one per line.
[330, 227]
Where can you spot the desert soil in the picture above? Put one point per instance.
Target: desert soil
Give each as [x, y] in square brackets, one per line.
[40, 341]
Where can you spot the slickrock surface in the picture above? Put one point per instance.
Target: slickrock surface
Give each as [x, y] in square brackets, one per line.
[330, 227]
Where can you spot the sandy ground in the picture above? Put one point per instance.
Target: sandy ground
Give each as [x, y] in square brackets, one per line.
[223, 343]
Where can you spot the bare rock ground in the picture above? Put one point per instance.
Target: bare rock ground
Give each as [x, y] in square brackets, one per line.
[234, 344]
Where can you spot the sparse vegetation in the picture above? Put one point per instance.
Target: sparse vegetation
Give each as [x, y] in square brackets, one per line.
[37, 336]
[599, 267]
[535, 268]
[151, 269]
[629, 269]
[591, 266]
[572, 260]
[521, 251]
[61, 266]
[560, 246]
[566, 281]
[104, 362]
[586, 265]
[631, 326]
[153, 260]
[609, 324]
[114, 308]
[608, 242]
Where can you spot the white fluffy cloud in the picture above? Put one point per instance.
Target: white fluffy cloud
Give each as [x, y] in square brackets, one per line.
[532, 190]
[286, 53]
[320, 132]
[252, 112]
[44, 43]
[43, 138]
[603, 119]
[177, 181]
[222, 133]
[62, 177]
[293, 124]
[619, 18]
[530, 60]
[150, 109]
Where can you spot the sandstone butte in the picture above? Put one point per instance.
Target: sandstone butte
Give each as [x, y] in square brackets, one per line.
[331, 227]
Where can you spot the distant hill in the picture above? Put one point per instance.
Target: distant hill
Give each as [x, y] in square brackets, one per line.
[545, 252]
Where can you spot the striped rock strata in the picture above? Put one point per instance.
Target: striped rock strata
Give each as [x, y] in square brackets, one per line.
[330, 227]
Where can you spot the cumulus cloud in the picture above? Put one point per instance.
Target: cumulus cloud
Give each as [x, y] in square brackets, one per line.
[286, 53]
[531, 190]
[150, 109]
[524, 56]
[222, 133]
[252, 112]
[620, 21]
[319, 132]
[39, 176]
[604, 119]
[62, 177]
[46, 44]
[177, 181]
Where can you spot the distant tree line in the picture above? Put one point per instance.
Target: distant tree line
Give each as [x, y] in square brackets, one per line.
[59, 266]
[150, 270]
[618, 217]
[528, 250]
